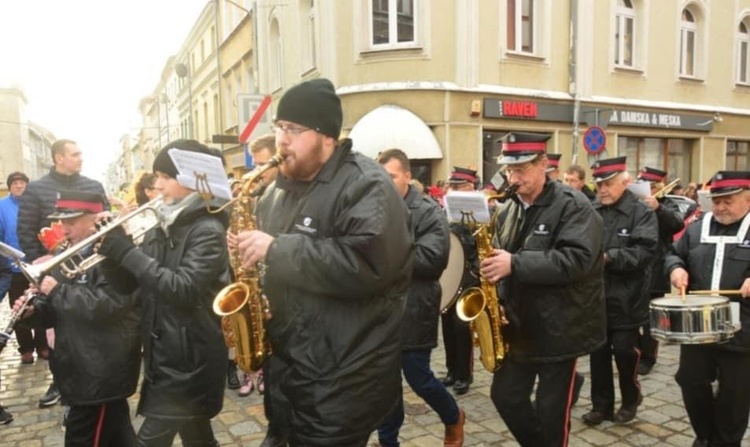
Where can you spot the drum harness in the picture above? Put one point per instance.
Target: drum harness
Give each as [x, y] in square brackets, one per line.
[720, 242]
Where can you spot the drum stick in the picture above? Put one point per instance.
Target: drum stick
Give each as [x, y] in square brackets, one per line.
[682, 292]
[716, 292]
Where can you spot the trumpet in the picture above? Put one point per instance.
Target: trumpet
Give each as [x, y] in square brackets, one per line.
[72, 263]
[667, 189]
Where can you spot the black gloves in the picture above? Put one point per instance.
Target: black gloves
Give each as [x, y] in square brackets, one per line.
[116, 245]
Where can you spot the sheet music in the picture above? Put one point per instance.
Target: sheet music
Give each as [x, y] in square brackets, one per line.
[704, 201]
[474, 202]
[640, 188]
[190, 163]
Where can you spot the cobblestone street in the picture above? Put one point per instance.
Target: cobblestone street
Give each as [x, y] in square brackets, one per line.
[661, 418]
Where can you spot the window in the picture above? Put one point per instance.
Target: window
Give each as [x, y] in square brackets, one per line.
[688, 31]
[743, 56]
[307, 34]
[274, 55]
[671, 155]
[393, 23]
[521, 17]
[738, 156]
[625, 34]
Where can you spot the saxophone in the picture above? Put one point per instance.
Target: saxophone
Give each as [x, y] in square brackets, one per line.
[241, 305]
[480, 306]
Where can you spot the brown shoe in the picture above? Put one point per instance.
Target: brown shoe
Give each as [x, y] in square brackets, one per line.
[27, 358]
[454, 434]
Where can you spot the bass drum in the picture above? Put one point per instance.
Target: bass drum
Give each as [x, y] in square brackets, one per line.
[451, 279]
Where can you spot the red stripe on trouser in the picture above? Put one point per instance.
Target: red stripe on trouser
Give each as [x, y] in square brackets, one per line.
[99, 424]
[566, 421]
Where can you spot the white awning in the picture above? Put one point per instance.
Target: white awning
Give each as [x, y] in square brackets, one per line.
[391, 126]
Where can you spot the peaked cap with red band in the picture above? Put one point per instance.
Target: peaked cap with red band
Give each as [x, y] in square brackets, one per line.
[726, 183]
[606, 169]
[652, 175]
[521, 147]
[76, 203]
[462, 175]
[553, 162]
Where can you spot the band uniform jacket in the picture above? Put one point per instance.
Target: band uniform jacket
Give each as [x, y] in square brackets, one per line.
[179, 274]
[698, 260]
[337, 275]
[38, 202]
[97, 355]
[554, 296]
[432, 247]
[670, 222]
[630, 241]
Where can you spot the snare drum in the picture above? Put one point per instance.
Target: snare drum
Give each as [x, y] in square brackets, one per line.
[452, 277]
[697, 319]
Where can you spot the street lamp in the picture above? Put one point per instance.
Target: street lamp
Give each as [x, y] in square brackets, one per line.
[183, 71]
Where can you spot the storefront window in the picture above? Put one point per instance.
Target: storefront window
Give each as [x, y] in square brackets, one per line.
[671, 155]
[737, 155]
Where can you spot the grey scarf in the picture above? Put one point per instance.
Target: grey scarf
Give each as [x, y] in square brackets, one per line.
[170, 213]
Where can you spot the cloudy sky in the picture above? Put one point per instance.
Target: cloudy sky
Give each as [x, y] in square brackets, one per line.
[85, 64]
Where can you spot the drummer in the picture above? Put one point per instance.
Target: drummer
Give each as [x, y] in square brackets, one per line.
[714, 253]
[456, 334]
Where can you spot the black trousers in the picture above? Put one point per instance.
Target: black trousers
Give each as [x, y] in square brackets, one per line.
[28, 337]
[106, 425]
[161, 432]
[648, 346]
[621, 344]
[547, 424]
[458, 345]
[722, 418]
[275, 405]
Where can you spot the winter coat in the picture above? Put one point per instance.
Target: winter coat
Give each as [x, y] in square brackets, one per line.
[38, 202]
[179, 275]
[432, 243]
[630, 241]
[670, 222]
[337, 276]
[698, 259]
[97, 355]
[8, 221]
[554, 296]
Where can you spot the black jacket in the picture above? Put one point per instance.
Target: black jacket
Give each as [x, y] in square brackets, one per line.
[670, 222]
[554, 297]
[179, 275]
[38, 202]
[698, 259]
[97, 355]
[337, 276]
[630, 240]
[432, 243]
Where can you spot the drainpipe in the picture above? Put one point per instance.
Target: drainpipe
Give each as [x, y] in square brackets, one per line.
[573, 75]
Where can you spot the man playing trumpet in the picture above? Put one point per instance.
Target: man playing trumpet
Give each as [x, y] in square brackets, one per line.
[97, 355]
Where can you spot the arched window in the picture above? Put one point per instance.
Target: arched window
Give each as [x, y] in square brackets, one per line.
[274, 55]
[625, 34]
[308, 39]
[743, 49]
[688, 38]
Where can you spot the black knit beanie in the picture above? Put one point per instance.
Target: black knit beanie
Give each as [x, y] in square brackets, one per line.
[16, 176]
[163, 162]
[313, 104]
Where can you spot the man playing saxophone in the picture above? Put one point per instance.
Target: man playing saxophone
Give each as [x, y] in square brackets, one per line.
[97, 355]
[547, 265]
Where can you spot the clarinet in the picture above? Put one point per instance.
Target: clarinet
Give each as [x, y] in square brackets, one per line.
[5, 335]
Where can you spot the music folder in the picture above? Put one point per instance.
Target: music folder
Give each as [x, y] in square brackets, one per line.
[462, 204]
[201, 172]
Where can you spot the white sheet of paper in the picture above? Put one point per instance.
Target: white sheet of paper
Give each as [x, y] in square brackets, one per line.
[474, 202]
[641, 189]
[190, 163]
[704, 201]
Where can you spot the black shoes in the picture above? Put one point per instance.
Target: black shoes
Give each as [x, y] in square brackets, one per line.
[274, 441]
[233, 382]
[5, 417]
[597, 417]
[448, 380]
[51, 397]
[461, 386]
[644, 368]
[627, 414]
[700, 443]
[577, 388]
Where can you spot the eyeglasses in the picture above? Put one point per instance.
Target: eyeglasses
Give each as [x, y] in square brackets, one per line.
[509, 171]
[291, 131]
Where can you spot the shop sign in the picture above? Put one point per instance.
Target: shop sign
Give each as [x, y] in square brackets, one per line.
[522, 109]
[625, 117]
